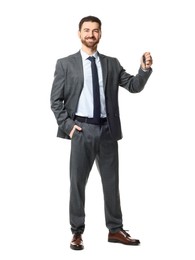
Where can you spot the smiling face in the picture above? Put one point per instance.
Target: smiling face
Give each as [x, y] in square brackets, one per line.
[90, 34]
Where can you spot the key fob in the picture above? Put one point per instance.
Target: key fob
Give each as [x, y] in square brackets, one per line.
[144, 59]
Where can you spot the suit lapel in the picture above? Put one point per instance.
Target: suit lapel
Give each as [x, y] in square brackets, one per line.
[78, 66]
[103, 61]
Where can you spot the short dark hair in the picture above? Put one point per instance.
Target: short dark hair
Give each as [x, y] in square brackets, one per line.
[89, 19]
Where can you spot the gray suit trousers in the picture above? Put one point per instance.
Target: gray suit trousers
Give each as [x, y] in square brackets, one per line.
[94, 143]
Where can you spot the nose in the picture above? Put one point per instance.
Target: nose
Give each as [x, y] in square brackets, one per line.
[90, 33]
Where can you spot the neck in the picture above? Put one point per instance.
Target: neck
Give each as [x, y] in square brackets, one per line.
[89, 51]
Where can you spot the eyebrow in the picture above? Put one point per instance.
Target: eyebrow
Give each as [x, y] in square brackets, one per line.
[96, 29]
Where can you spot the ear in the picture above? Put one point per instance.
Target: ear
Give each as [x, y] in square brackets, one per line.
[79, 34]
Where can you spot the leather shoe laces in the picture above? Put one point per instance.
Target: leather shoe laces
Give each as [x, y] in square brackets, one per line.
[125, 232]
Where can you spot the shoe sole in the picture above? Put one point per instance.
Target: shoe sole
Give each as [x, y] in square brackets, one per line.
[76, 247]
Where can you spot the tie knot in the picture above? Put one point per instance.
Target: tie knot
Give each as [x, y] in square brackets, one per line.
[91, 58]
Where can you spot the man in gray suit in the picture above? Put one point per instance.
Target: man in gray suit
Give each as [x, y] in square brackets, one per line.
[84, 99]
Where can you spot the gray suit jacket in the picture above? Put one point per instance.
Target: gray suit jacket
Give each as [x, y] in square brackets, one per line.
[68, 84]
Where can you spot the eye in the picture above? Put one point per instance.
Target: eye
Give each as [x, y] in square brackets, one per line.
[86, 30]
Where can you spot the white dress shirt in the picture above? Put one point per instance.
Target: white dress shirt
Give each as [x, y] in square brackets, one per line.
[85, 104]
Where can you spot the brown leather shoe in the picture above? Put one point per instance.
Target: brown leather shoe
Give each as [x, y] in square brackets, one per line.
[122, 237]
[77, 242]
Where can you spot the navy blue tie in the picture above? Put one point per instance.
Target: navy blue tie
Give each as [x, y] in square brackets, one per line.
[96, 89]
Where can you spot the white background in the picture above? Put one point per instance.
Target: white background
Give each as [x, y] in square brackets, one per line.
[156, 152]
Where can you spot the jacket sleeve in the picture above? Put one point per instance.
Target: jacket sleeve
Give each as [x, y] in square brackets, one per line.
[136, 83]
[57, 100]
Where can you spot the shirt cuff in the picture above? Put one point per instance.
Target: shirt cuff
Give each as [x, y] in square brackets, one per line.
[145, 70]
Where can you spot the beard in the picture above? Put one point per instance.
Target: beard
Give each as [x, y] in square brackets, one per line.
[90, 44]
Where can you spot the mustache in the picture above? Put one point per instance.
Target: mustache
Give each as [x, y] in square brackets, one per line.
[90, 38]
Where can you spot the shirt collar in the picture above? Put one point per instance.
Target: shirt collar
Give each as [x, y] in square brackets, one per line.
[85, 55]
